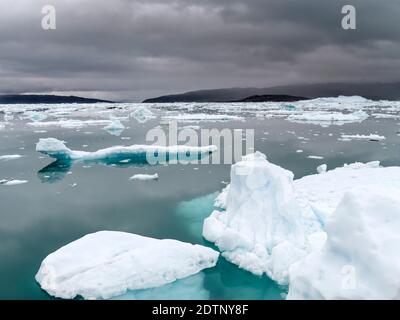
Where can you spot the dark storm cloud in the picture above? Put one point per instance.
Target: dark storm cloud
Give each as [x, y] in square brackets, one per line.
[134, 49]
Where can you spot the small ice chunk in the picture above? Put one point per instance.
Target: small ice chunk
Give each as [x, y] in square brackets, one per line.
[8, 157]
[322, 168]
[12, 182]
[315, 157]
[115, 127]
[142, 114]
[144, 177]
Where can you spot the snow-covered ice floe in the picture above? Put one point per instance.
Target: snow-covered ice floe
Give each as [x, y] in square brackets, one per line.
[370, 137]
[326, 118]
[300, 231]
[361, 257]
[58, 150]
[144, 177]
[106, 264]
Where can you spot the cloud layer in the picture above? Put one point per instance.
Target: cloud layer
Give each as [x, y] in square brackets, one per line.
[132, 49]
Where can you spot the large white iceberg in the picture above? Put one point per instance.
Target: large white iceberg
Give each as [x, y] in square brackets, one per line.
[361, 257]
[58, 150]
[265, 228]
[106, 264]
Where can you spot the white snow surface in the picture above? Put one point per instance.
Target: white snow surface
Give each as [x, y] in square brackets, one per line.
[361, 257]
[106, 264]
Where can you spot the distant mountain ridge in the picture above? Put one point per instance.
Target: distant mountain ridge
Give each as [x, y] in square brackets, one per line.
[45, 99]
[374, 91]
[272, 98]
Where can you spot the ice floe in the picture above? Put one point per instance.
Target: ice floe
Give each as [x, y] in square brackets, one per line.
[144, 177]
[58, 150]
[361, 258]
[106, 264]
[326, 118]
[370, 137]
[198, 117]
[8, 157]
[12, 182]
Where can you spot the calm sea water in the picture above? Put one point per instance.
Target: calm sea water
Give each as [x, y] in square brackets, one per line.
[61, 204]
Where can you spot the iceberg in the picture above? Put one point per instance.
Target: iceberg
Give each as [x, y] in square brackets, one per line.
[107, 264]
[265, 229]
[140, 153]
[144, 177]
[361, 258]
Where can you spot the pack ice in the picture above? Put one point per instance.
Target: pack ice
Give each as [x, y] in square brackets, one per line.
[58, 150]
[106, 264]
[307, 231]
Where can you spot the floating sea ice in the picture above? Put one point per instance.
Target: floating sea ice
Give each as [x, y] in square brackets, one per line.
[315, 157]
[361, 258]
[144, 177]
[370, 137]
[115, 128]
[12, 182]
[326, 118]
[8, 157]
[199, 117]
[35, 116]
[142, 114]
[264, 229]
[58, 150]
[106, 264]
[70, 124]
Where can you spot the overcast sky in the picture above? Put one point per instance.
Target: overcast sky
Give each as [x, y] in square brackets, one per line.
[134, 49]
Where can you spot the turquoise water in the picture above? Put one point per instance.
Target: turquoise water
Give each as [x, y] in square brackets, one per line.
[60, 204]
